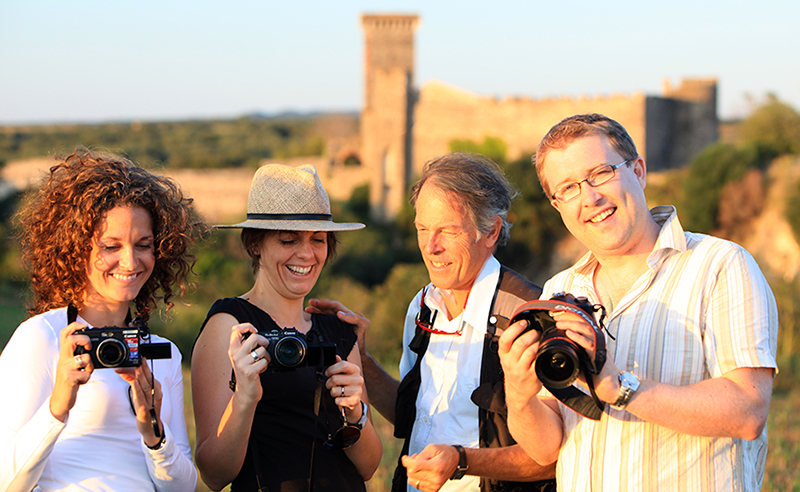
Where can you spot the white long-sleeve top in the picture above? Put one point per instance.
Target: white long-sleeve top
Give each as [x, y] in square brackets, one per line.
[98, 448]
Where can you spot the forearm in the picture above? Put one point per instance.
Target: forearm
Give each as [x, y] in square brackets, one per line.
[381, 386]
[25, 452]
[171, 470]
[735, 405]
[366, 452]
[507, 463]
[221, 452]
[537, 428]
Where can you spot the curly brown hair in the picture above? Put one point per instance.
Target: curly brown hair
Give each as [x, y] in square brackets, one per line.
[58, 224]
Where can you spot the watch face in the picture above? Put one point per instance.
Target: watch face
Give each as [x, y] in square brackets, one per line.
[629, 380]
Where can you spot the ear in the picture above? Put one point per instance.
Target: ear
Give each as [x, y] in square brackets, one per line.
[640, 170]
[494, 233]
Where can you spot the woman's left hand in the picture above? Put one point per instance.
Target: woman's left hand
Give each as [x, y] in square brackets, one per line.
[144, 398]
[346, 385]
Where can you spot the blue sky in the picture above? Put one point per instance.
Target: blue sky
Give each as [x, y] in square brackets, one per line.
[109, 60]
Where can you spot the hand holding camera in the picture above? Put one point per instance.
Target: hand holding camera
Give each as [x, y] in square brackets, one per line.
[559, 360]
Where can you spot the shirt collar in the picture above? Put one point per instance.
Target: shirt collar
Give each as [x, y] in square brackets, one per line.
[670, 237]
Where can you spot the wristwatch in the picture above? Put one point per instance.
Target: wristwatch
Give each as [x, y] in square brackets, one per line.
[628, 384]
[363, 420]
[462, 467]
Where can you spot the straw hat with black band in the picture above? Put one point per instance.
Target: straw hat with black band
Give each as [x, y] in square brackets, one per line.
[285, 198]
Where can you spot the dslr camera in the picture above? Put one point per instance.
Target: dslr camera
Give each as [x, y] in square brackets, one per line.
[113, 346]
[559, 360]
[289, 349]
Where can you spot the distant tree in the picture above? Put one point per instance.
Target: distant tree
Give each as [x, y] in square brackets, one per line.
[536, 224]
[772, 129]
[492, 147]
[793, 210]
[740, 202]
[708, 173]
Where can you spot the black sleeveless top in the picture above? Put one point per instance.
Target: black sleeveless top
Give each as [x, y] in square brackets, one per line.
[284, 428]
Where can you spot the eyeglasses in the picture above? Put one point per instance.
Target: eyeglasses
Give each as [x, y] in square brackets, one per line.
[346, 436]
[601, 175]
[426, 321]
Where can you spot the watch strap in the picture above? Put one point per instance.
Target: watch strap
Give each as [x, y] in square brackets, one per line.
[462, 467]
[628, 384]
[363, 420]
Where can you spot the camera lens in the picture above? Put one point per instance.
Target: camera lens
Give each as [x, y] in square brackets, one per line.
[290, 351]
[111, 352]
[557, 363]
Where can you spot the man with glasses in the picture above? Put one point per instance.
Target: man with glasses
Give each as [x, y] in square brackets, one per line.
[692, 335]
[449, 407]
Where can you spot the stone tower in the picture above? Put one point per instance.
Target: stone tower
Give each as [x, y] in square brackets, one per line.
[386, 118]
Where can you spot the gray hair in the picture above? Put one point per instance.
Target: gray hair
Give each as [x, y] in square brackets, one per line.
[478, 183]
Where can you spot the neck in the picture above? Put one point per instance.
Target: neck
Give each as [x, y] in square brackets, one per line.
[101, 316]
[455, 301]
[287, 313]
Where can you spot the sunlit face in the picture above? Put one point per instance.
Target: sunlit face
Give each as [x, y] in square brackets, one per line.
[611, 218]
[290, 261]
[452, 248]
[121, 260]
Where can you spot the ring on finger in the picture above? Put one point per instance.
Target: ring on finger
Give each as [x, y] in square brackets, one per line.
[417, 485]
[79, 362]
[255, 355]
[342, 395]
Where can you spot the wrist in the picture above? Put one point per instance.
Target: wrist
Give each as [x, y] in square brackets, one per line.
[461, 466]
[158, 446]
[362, 420]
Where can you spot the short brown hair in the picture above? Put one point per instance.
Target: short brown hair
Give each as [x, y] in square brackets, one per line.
[478, 183]
[583, 125]
[59, 222]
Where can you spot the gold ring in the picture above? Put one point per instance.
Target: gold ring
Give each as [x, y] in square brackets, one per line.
[254, 355]
[417, 485]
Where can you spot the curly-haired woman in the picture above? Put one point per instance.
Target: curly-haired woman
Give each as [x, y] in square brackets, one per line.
[100, 236]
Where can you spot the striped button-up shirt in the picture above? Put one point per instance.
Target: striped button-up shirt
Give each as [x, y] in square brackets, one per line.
[702, 309]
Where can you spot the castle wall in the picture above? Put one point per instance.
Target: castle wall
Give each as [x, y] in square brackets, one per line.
[444, 113]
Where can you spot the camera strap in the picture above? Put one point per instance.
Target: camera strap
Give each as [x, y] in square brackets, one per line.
[540, 312]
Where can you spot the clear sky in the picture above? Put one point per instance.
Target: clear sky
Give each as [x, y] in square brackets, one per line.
[111, 60]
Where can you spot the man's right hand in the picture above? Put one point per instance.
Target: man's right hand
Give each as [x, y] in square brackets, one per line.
[517, 350]
[336, 308]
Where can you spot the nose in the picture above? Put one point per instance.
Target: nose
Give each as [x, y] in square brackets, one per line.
[304, 248]
[127, 259]
[431, 243]
[589, 194]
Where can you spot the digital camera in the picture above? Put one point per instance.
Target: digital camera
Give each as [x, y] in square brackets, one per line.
[289, 349]
[559, 359]
[113, 346]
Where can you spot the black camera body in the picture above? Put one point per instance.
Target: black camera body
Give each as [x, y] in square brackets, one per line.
[113, 346]
[289, 349]
[559, 360]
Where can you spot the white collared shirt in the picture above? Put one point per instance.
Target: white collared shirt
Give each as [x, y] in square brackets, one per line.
[450, 370]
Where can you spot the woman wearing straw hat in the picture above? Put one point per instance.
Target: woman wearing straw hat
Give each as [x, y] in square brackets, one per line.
[281, 412]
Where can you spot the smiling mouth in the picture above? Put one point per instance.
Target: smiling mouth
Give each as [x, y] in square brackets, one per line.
[602, 216]
[439, 264]
[120, 276]
[299, 270]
